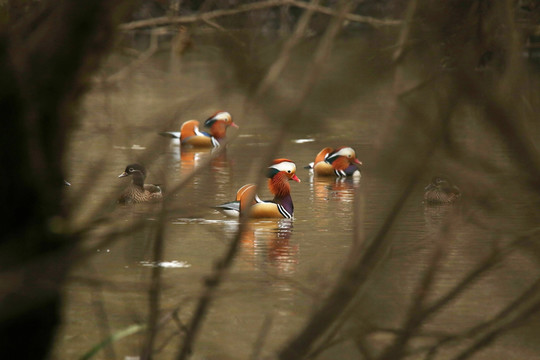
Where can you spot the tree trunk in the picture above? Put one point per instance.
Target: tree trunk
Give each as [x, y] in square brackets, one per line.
[47, 52]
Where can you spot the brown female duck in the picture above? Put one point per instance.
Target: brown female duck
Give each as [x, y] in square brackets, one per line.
[441, 191]
[138, 191]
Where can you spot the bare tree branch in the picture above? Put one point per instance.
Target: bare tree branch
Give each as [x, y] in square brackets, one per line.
[252, 7]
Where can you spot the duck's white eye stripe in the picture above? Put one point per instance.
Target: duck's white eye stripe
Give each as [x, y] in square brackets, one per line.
[223, 116]
[284, 166]
[345, 152]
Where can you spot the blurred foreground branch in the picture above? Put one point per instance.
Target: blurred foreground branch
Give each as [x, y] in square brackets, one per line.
[168, 20]
[47, 55]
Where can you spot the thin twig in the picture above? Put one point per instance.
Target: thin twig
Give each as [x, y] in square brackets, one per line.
[168, 20]
[224, 31]
[350, 17]
[279, 65]
[491, 336]
[263, 334]
[403, 40]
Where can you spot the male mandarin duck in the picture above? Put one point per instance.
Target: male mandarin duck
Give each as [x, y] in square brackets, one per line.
[138, 191]
[191, 135]
[339, 162]
[281, 206]
[441, 191]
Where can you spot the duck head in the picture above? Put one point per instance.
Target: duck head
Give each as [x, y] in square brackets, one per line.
[137, 171]
[279, 174]
[342, 158]
[218, 124]
[443, 184]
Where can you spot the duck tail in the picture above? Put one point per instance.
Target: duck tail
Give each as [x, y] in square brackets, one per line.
[170, 134]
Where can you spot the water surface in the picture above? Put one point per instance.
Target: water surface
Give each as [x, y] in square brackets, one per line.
[284, 268]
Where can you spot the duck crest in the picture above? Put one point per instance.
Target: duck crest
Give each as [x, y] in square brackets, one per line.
[278, 161]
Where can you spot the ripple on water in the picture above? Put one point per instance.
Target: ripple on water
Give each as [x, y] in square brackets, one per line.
[166, 264]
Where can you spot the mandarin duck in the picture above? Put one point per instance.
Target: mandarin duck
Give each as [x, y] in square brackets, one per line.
[281, 206]
[441, 191]
[340, 162]
[138, 191]
[190, 135]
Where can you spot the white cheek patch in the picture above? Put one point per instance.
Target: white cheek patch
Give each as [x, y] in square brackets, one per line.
[284, 166]
[225, 116]
[346, 152]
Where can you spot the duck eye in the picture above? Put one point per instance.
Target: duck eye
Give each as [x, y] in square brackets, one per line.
[289, 171]
[131, 170]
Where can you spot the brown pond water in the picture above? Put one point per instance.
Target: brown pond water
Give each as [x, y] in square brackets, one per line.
[284, 268]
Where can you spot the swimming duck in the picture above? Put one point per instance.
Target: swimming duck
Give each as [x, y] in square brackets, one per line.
[441, 191]
[191, 135]
[340, 162]
[138, 191]
[281, 206]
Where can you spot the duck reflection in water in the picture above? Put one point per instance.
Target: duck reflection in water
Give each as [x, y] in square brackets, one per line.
[340, 189]
[190, 159]
[183, 161]
[335, 196]
[267, 243]
[220, 174]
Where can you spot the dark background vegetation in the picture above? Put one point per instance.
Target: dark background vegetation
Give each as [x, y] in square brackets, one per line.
[444, 58]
